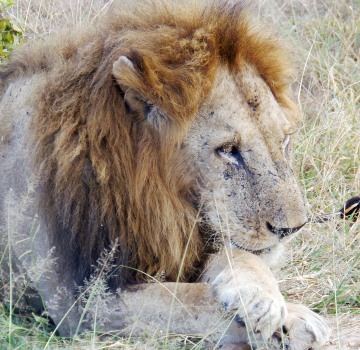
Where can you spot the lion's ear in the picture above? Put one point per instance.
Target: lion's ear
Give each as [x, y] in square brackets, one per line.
[138, 107]
[126, 61]
[124, 72]
[122, 66]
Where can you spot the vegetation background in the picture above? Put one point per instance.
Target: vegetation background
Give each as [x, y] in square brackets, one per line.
[322, 268]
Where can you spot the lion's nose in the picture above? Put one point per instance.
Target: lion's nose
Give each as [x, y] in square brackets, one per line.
[283, 232]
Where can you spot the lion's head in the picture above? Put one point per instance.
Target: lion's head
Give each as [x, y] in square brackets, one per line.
[164, 129]
[240, 145]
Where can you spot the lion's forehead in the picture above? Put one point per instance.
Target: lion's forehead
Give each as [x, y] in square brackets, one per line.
[242, 103]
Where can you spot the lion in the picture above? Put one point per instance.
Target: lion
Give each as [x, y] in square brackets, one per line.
[161, 135]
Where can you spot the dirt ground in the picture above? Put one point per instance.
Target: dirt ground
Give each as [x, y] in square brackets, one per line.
[346, 333]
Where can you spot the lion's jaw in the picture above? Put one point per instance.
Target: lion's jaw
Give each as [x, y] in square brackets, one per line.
[239, 141]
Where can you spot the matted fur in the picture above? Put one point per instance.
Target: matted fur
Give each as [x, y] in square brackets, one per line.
[108, 177]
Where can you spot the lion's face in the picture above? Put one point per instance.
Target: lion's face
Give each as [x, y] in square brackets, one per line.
[240, 145]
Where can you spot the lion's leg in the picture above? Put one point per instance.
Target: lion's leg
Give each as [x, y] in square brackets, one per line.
[245, 286]
[180, 308]
[148, 308]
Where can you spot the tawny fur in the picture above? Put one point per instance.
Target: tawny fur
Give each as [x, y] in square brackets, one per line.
[107, 177]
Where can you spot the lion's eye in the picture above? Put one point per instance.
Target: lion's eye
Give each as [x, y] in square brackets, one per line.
[231, 153]
[227, 149]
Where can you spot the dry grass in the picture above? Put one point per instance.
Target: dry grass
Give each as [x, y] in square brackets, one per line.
[324, 272]
[42, 17]
[325, 260]
[323, 269]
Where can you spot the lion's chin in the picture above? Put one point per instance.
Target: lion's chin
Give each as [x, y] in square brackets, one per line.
[247, 248]
[254, 250]
[271, 255]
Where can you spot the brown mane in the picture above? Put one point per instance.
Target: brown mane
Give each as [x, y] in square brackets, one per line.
[107, 177]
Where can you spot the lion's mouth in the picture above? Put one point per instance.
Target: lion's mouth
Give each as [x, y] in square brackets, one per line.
[253, 251]
[280, 233]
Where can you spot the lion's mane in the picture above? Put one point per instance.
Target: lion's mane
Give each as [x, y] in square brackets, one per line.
[106, 177]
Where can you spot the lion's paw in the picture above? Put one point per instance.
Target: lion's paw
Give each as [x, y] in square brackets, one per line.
[261, 311]
[304, 329]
